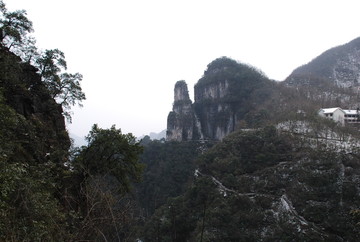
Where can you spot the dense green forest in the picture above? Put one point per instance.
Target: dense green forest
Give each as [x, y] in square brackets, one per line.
[284, 174]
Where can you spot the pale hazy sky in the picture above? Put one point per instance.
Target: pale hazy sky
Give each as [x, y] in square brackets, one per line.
[132, 52]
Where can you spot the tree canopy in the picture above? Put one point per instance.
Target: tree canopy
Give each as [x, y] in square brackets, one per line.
[109, 152]
[14, 26]
[15, 29]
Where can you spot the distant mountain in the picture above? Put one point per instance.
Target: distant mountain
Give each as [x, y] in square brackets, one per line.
[155, 136]
[332, 78]
[158, 136]
[339, 65]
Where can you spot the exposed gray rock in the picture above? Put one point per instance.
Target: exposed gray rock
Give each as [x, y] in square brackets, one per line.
[222, 98]
[181, 121]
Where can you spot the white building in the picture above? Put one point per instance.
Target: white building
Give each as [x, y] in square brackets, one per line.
[341, 115]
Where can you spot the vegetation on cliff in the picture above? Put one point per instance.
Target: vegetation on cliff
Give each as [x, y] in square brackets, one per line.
[224, 68]
[228, 94]
[332, 78]
[323, 65]
[49, 193]
[283, 174]
[50, 64]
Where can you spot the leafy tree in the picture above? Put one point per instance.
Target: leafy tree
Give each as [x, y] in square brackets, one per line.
[107, 167]
[14, 34]
[50, 64]
[26, 50]
[64, 87]
[14, 26]
[109, 152]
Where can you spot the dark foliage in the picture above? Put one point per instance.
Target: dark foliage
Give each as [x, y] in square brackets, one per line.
[263, 185]
[169, 167]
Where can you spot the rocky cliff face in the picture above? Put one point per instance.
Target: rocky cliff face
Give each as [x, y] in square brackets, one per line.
[217, 118]
[212, 91]
[42, 126]
[223, 96]
[180, 122]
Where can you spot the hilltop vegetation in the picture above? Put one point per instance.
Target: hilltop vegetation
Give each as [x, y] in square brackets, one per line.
[332, 78]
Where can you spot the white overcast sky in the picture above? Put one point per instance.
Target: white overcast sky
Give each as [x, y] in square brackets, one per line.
[132, 52]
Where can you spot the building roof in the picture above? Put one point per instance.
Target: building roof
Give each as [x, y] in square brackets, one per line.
[346, 111]
[350, 111]
[330, 110]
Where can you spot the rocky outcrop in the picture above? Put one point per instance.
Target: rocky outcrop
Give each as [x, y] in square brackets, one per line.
[43, 125]
[223, 96]
[212, 91]
[216, 116]
[181, 121]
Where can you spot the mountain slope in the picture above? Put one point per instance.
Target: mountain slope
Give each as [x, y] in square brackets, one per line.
[339, 65]
[34, 146]
[264, 185]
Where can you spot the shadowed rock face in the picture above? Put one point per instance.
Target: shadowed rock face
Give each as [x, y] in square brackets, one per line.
[24, 91]
[217, 117]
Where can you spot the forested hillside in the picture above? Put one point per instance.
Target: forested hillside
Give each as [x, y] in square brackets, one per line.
[264, 185]
[250, 161]
[332, 78]
[283, 174]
